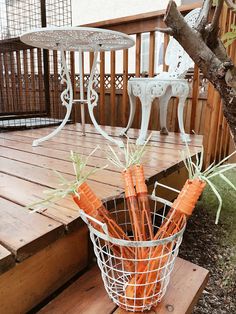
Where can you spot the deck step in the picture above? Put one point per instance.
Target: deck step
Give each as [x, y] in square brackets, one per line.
[87, 295]
[6, 259]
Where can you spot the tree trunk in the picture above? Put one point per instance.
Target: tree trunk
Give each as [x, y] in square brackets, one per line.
[211, 58]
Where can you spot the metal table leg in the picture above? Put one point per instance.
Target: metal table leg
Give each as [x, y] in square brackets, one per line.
[132, 110]
[66, 98]
[92, 96]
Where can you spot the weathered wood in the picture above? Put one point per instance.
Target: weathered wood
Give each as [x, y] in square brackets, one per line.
[140, 23]
[19, 75]
[72, 76]
[37, 277]
[186, 277]
[166, 41]
[212, 127]
[194, 110]
[102, 116]
[56, 96]
[13, 81]
[2, 88]
[28, 171]
[68, 140]
[124, 112]
[87, 294]
[75, 139]
[47, 177]
[40, 81]
[113, 88]
[151, 54]
[8, 99]
[6, 260]
[91, 58]
[25, 193]
[26, 79]
[34, 99]
[137, 74]
[23, 233]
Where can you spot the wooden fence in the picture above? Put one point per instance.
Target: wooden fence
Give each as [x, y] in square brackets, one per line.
[217, 138]
[204, 117]
[109, 105]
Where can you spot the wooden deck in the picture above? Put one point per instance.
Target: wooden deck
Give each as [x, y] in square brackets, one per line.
[27, 171]
[87, 295]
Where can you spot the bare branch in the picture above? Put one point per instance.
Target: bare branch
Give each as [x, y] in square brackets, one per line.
[167, 30]
[220, 51]
[214, 26]
[191, 41]
[231, 4]
[212, 60]
[203, 16]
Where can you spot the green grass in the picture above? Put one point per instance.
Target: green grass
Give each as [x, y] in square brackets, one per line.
[228, 212]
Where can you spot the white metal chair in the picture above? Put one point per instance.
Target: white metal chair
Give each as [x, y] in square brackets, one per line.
[164, 86]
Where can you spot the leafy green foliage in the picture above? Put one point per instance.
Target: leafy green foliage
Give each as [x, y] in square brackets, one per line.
[229, 37]
[215, 3]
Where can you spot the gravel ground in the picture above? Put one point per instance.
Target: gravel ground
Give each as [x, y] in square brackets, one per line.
[208, 245]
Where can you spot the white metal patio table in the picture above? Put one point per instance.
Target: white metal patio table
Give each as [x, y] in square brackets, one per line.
[77, 39]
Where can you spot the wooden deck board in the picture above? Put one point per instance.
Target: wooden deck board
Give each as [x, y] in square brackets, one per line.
[6, 259]
[26, 171]
[25, 234]
[87, 295]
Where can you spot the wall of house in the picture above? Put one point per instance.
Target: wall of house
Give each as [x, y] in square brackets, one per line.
[84, 11]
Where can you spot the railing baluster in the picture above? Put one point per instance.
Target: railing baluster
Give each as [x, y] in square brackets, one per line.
[102, 116]
[151, 54]
[125, 83]
[137, 74]
[113, 88]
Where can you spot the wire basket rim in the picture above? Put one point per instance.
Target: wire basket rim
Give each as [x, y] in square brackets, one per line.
[131, 243]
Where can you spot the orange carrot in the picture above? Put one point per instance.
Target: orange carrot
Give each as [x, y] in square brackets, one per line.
[183, 206]
[89, 202]
[134, 212]
[143, 201]
[132, 204]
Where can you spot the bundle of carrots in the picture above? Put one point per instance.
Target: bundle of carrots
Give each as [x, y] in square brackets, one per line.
[141, 287]
[144, 263]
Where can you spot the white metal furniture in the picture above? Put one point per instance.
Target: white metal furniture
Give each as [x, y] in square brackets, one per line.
[164, 86]
[77, 39]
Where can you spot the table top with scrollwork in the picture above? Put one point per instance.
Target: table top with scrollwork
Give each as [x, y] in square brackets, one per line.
[77, 39]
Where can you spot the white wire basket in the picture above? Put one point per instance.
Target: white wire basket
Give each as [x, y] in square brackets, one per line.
[135, 284]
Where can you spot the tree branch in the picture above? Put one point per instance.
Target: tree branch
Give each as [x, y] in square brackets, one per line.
[213, 61]
[203, 16]
[231, 4]
[212, 35]
[214, 26]
[192, 42]
[166, 30]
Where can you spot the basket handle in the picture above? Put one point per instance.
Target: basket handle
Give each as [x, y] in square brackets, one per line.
[164, 186]
[85, 218]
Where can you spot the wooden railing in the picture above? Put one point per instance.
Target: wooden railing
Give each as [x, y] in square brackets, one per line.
[217, 136]
[109, 106]
[39, 87]
[204, 117]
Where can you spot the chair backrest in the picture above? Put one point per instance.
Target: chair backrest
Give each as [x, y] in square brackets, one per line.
[176, 57]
